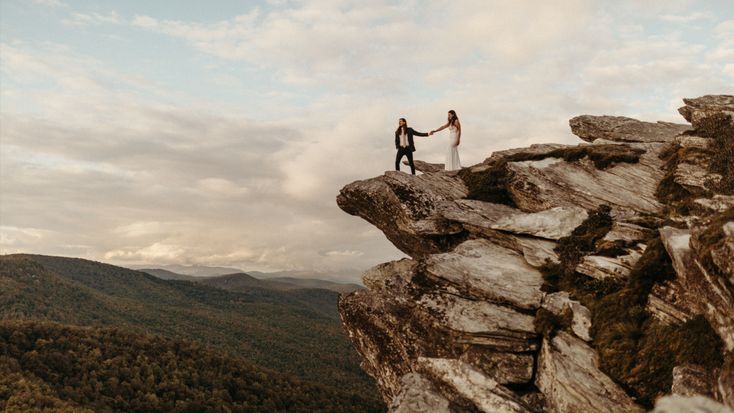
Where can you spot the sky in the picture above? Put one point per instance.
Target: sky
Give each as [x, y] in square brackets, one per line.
[220, 132]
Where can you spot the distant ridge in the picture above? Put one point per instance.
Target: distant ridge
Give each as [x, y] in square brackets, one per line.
[192, 270]
[169, 275]
[242, 282]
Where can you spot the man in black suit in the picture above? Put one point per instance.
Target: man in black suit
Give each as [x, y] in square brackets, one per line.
[404, 144]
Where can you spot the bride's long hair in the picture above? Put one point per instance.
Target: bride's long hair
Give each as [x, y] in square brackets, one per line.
[397, 131]
[453, 118]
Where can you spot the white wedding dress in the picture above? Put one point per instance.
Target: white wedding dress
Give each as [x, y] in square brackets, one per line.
[452, 156]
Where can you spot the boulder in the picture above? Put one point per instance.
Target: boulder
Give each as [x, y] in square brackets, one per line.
[601, 267]
[481, 322]
[403, 206]
[569, 377]
[483, 392]
[560, 302]
[426, 167]
[693, 404]
[703, 292]
[418, 395]
[695, 110]
[625, 231]
[582, 184]
[502, 367]
[481, 270]
[622, 129]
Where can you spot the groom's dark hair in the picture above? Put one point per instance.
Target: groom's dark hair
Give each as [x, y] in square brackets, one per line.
[397, 131]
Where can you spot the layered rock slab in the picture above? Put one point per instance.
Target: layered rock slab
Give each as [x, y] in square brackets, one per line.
[623, 129]
[401, 318]
[702, 292]
[569, 377]
[482, 391]
[693, 404]
[582, 184]
[483, 270]
[698, 109]
[402, 205]
[418, 395]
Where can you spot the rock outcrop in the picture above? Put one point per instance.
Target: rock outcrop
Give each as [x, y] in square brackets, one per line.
[474, 319]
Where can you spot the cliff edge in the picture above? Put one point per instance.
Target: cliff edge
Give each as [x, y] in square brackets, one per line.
[558, 278]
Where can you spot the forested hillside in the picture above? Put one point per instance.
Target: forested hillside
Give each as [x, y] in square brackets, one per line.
[287, 331]
[52, 367]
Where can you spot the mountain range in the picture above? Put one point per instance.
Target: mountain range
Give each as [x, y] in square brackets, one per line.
[240, 281]
[293, 331]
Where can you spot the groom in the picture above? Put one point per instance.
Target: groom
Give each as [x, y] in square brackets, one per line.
[404, 144]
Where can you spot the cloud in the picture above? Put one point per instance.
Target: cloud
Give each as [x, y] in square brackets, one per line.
[110, 164]
[317, 44]
[346, 253]
[695, 16]
[90, 19]
[51, 3]
[141, 181]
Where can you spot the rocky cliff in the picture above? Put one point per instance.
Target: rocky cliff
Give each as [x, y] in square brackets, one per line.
[558, 278]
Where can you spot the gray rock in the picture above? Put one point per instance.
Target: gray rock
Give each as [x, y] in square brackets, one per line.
[537, 251]
[725, 384]
[382, 336]
[581, 184]
[478, 216]
[486, 394]
[622, 129]
[691, 379]
[627, 232]
[695, 175]
[700, 108]
[393, 276]
[717, 203]
[502, 367]
[704, 293]
[403, 206]
[559, 302]
[569, 377]
[535, 149]
[665, 303]
[426, 167]
[418, 395]
[448, 329]
[482, 270]
[481, 322]
[553, 223]
[694, 404]
[601, 267]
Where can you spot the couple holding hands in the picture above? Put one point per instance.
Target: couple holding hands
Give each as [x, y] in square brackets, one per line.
[405, 147]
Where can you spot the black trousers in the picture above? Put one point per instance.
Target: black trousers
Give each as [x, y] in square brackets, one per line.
[407, 152]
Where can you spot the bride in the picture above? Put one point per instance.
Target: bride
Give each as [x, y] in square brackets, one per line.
[452, 156]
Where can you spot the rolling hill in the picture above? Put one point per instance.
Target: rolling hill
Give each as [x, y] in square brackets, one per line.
[47, 366]
[288, 331]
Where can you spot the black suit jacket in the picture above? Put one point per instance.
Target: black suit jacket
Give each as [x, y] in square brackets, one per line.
[410, 132]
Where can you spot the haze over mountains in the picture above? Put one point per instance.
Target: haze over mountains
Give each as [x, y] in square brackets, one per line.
[238, 280]
[291, 330]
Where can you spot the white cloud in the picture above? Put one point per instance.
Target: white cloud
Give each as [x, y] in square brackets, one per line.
[51, 3]
[89, 19]
[695, 16]
[139, 172]
[346, 253]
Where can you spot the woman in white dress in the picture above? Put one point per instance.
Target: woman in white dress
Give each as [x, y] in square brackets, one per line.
[452, 156]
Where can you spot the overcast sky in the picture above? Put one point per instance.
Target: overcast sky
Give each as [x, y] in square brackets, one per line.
[220, 132]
